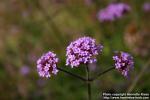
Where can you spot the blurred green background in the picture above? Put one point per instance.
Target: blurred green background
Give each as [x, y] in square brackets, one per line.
[29, 28]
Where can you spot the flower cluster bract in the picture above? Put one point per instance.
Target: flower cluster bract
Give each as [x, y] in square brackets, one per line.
[82, 51]
[123, 62]
[113, 11]
[47, 64]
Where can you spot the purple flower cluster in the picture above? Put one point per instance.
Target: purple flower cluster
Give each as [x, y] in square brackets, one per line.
[82, 51]
[146, 7]
[113, 11]
[123, 62]
[47, 64]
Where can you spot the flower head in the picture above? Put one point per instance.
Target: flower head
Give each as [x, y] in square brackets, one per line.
[113, 11]
[123, 62]
[47, 64]
[82, 51]
[146, 7]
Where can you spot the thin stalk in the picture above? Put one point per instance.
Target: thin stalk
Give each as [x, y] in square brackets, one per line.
[71, 74]
[100, 74]
[48, 20]
[88, 83]
[51, 23]
[137, 78]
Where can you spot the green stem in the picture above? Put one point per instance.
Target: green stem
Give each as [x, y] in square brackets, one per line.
[71, 74]
[100, 74]
[49, 21]
[88, 83]
[137, 78]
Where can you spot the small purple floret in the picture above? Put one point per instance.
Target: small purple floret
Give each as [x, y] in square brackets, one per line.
[82, 51]
[113, 11]
[123, 62]
[47, 65]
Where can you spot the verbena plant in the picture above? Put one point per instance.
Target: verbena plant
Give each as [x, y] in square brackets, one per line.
[83, 51]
